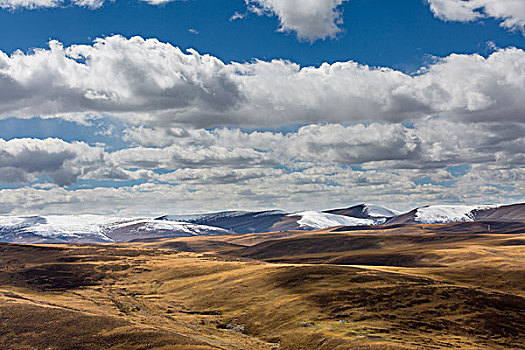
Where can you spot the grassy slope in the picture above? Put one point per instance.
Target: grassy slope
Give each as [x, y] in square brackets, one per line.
[421, 286]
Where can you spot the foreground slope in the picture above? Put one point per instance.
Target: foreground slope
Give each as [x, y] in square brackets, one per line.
[465, 289]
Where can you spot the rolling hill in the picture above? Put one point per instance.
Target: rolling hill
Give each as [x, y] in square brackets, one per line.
[405, 286]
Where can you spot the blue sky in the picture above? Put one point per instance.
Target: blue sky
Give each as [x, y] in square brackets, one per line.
[398, 34]
[96, 120]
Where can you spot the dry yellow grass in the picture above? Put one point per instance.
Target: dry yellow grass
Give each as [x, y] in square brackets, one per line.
[411, 288]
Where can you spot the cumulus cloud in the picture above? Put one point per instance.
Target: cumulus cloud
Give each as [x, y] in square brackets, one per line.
[158, 2]
[30, 4]
[427, 144]
[114, 75]
[89, 4]
[218, 175]
[190, 156]
[458, 86]
[511, 13]
[211, 189]
[184, 112]
[310, 19]
[22, 159]
[35, 4]
[154, 83]
[200, 170]
[313, 155]
[390, 163]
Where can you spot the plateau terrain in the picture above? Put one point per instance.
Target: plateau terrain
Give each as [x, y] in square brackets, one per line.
[401, 284]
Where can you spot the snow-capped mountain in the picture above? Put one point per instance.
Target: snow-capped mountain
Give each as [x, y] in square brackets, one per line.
[110, 229]
[319, 220]
[441, 214]
[513, 212]
[205, 217]
[240, 221]
[278, 220]
[376, 211]
[365, 211]
[94, 229]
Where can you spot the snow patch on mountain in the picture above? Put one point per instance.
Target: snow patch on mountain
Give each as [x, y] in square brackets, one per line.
[14, 222]
[378, 211]
[441, 214]
[269, 213]
[320, 220]
[151, 225]
[204, 217]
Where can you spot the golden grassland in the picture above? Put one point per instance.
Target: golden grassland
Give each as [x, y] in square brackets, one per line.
[400, 287]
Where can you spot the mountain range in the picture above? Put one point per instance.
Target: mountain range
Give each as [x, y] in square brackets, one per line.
[111, 229]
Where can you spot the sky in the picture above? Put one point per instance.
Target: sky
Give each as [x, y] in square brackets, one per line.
[139, 107]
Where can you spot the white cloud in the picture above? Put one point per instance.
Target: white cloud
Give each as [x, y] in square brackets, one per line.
[452, 10]
[29, 4]
[423, 145]
[89, 4]
[222, 169]
[458, 86]
[36, 4]
[153, 83]
[237, 16]
[511, 13]
[158, 2]
[215, 189]
[165, 97]
[114, 75]
[312, 155]
[191, 156]
[310, 19]
[217, 175]
[22, 159]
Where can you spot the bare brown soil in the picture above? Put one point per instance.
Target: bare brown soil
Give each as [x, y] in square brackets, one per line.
[401, 287]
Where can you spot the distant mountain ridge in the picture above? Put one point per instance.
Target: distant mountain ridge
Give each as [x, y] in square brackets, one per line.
[513, 212]
[93, 229]
[438, 214]
[239, 221]
[278, 220]
[111, 229]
